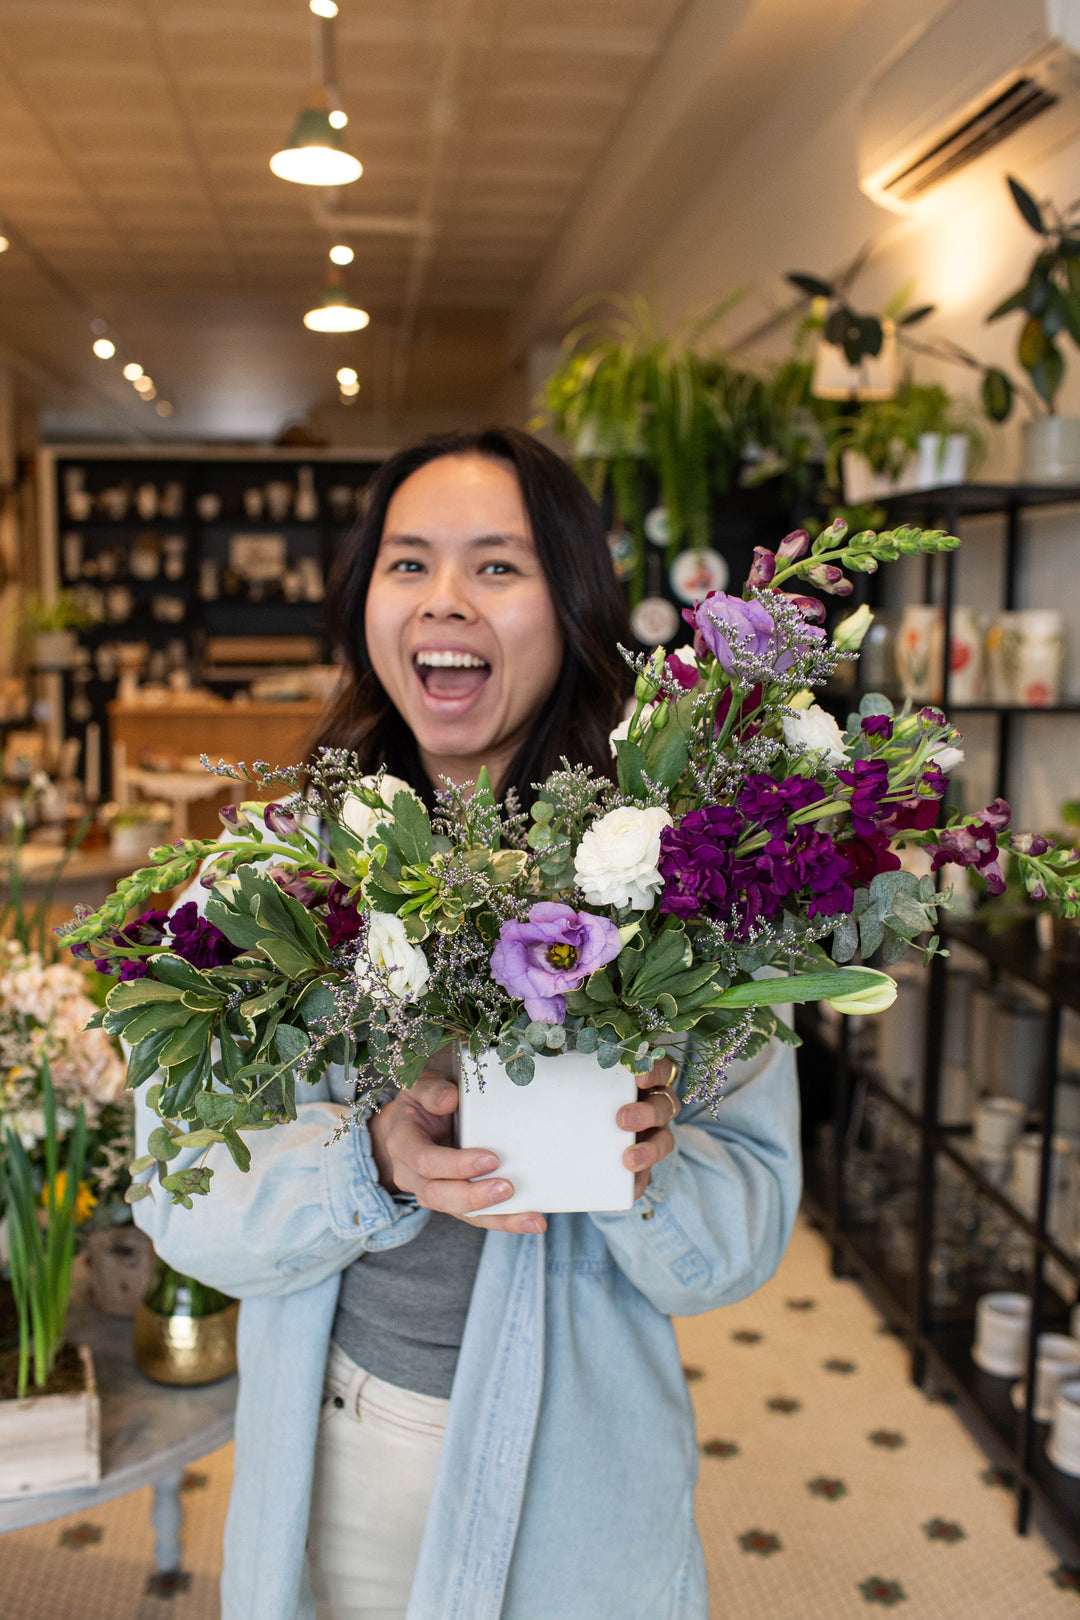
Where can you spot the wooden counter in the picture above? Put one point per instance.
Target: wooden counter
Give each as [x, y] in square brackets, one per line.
[275, 732]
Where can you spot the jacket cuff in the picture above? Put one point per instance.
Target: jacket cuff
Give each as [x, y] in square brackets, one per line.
[356, 1202]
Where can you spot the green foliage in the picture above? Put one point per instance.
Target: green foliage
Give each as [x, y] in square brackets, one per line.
[1049, 299]
[887, 431]
[41, 1260]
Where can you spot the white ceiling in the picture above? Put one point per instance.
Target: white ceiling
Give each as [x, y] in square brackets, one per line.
[134, 182]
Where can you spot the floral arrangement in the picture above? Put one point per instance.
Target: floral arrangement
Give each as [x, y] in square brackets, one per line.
[44, 1011]
[747, 851]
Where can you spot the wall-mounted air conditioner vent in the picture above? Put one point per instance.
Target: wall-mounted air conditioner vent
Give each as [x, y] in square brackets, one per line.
[982, 73]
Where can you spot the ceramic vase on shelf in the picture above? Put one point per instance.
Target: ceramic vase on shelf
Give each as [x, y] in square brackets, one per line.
[1024, 657]
[185, 1333]
[556, 1138]
[1051, 451]
[966, 657]
[920, 652]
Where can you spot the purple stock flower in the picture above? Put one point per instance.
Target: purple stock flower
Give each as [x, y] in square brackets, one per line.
[697, 863]
[198, 941]
[281, 822]
[975, 844]
[555, 950]
[866, 857]
[687, 675]
[134, 968]
[877, 725]
[808, 860]
[769, 803]
[343, 919]
[868, 780]
[763, 569]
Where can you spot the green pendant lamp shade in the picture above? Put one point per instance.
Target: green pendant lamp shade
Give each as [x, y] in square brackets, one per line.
[314, 154]
[335, 312]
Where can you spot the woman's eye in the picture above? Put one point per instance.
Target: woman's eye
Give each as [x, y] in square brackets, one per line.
[406, 565]
[498, 568]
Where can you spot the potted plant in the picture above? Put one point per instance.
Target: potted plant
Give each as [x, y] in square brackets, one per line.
[637, 407]
[50, 1417]
[1049, 299]
[134, 827]
[918, 439]
[52, 623]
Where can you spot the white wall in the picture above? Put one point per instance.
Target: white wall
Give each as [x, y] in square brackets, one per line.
[787, 198]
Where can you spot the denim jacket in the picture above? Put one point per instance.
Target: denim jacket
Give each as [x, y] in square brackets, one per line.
[565, 1486]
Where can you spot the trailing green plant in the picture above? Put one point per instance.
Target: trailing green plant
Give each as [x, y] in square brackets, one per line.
[635, 404]
[61, 612]
[1049, 298]
[41, 1259]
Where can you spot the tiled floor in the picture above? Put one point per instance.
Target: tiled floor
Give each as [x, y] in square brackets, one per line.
[830, 1488]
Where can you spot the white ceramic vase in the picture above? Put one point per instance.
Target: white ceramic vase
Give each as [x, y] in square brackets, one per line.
[556, 1138]
[1063, 1446]
[1057, 1363]
[965, 657]
[920, 652]
[1001, 1334]
[1051, 451]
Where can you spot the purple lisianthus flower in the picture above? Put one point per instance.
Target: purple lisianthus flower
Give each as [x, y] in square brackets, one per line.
[687, 675]
[769, 803]
[555, 950]
[794, 545]
[198, 941]
[877, 725]
[764, 567]
[343, 919]
[727, 626]
[697, 863]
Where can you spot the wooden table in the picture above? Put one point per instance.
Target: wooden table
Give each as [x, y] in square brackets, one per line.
[149, 1433]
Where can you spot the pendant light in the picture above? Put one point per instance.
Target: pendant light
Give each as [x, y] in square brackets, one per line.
[315, 154]
[335, 312]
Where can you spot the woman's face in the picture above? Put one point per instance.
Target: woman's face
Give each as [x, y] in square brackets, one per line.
[460, 626]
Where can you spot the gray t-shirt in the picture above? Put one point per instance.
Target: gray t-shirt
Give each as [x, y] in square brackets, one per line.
[401, 1312]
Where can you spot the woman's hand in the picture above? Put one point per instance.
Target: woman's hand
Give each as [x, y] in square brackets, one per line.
[411, 1136]
[410, 1140]
[651, 1119]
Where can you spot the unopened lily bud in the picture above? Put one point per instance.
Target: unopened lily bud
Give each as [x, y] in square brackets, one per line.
[793, 546]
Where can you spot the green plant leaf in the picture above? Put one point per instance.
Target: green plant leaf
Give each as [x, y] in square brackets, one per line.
[914, 316]
[632, 766]
[1016, 300]
[185, 1043]
[1025, 202]
[1046, 376]
[412, 829]
[813, 286]
[668, 754]
[997, 394]
[139, 993]
[521, 1069]
[1032, 345]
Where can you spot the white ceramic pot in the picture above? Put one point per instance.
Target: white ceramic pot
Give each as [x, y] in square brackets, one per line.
[920, 652]
[1039, 656]
[966, 656]
[1051, 451]
[1063, 1445]
[556, 1138]
[1001, 1334]
[130, 840]
[1057, 1363]
[942, 459]
[998, 1123]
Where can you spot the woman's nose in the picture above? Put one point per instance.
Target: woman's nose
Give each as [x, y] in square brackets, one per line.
[447, 597]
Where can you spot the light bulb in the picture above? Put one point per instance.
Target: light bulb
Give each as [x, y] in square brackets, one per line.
[346, 374]
[341, 253]
[350, 389]
[323, 8]
[4, 244]
[316, 166]
[133, 371]
[336, 318]
[144, 384]
[163, 408]
[338, 118]
[104, 348]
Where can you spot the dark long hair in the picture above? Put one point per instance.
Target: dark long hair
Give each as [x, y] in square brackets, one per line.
[591, 688]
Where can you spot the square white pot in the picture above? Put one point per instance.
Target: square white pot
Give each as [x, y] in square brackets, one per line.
[51, 1442]
[556, 1138]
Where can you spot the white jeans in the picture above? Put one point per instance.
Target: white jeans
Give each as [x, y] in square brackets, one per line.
[375, 1462]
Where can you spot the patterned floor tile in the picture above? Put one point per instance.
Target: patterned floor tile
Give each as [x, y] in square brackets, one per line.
[746, 1336]
[719, 1448]
[831, 1490]
[944, 1530]
[786, 1404]
[761, 1542]
[887, 1593]
[81, 1535]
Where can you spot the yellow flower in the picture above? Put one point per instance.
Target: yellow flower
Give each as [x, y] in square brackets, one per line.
[84, 1198]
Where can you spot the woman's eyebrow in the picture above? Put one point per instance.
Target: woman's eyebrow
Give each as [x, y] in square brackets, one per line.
[480, 542]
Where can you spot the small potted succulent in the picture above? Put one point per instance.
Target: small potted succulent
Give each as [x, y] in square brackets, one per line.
[1049, 299]
[52, 624]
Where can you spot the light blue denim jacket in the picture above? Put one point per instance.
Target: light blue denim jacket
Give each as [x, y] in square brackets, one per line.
[565, 1487]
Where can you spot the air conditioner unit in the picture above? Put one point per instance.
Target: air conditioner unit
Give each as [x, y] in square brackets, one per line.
[981, 73]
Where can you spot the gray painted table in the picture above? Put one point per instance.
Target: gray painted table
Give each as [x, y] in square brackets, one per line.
[149, 1433]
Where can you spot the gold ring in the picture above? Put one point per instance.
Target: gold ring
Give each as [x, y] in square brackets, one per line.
[666, 1091]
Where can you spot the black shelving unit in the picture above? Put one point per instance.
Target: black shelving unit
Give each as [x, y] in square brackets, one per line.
[939, 1337]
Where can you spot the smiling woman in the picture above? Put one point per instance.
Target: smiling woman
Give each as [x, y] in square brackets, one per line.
[480, 618]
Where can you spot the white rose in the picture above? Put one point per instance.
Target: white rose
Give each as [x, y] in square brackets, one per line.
[388, 948]
[360, 818]
[812, 730]
[617, 862]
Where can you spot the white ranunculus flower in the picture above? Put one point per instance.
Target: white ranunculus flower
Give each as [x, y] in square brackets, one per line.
[388, 948]
[618, 860]
[814, 730]
[359, 817]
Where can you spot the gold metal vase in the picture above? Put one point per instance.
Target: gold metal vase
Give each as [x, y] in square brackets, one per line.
[185, 1333]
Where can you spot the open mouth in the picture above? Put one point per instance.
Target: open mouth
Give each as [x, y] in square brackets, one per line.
[451, 675]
